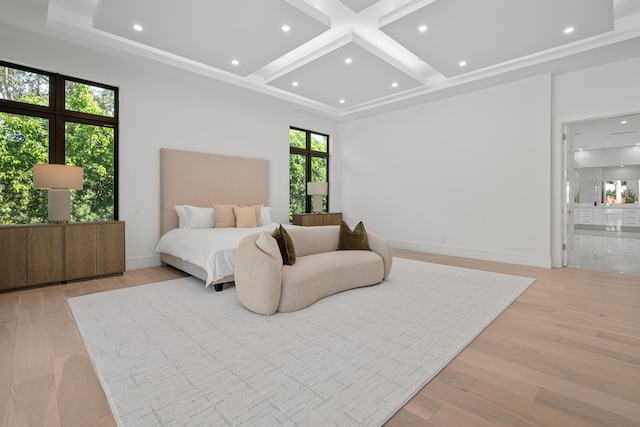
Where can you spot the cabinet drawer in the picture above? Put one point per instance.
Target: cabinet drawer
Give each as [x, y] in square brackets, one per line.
[13, 257]
[110, 257]
[45, 255]
[80, 251]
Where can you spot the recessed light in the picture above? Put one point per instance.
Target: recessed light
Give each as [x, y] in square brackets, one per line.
[348, 61]
[137, 27]
[394, 84]
[294, 84]
[462, 63]
[286, 28]
[342, 101]
[235, 62]
[624, 122]
[422, 28]
[569, 30]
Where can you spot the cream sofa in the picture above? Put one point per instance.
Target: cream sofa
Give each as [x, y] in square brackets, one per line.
[264, 285]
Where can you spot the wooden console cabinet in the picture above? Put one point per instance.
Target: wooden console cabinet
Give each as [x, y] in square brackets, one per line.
[311, 219]
[51, 253]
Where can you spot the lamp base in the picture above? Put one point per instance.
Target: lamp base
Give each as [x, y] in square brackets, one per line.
[59, 206]
[317, 203]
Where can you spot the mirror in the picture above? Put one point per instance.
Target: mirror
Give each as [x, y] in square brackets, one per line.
[608, 185]
[618, 192]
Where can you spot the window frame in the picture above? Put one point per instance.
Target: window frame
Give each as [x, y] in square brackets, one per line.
[309, 154]
[58, 116]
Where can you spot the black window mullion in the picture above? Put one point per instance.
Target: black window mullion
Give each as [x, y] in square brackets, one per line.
[309, 155]
[58, 116]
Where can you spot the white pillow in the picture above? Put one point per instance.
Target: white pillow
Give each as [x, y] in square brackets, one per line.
[182, 215]
[199, 217]
[265, 215]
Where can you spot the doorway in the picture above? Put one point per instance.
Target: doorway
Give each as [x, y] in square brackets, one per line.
[601, 221]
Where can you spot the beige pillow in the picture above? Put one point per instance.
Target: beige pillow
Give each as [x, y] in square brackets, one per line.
[267, 244]
[258, 208]
[224, 216]
[245, 216]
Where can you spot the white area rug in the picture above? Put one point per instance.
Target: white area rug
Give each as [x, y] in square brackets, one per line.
[177, 354]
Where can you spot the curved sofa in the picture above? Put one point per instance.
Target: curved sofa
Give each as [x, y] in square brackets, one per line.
[264, 285]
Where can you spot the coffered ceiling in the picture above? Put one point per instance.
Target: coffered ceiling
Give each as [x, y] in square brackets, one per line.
[342, 57]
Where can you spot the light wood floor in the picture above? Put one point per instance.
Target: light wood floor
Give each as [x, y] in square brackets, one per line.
[566, 353]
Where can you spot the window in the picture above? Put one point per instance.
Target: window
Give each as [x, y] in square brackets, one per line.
[50, 118]
[308, 161]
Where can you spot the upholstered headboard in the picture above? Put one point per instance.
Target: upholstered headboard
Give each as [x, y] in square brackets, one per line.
[202, 179]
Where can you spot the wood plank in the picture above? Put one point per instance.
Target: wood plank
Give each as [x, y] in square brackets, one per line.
[32, 360]
[81, 400]
[530, 410]
[34, 403]
[600, 416]
[7, 351]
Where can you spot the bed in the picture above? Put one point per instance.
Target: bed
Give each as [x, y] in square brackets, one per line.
[200, 180]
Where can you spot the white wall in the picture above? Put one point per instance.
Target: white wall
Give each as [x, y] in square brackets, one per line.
[165, 107]
[597, 92]
[468, 175]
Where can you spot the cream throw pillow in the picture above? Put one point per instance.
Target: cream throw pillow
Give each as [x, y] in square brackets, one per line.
[245, 216]
[224, 216]
[267, 244]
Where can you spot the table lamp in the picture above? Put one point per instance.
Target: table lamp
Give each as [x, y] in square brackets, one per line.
[317, 190]
[58, 179]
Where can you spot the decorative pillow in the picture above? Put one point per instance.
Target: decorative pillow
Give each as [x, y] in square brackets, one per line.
[353, 240]
[245, 216]
[267, 244]
[182, 215]
[257, 213]
[224, 216]
[285, 244]
[265, 215]
[199, 217]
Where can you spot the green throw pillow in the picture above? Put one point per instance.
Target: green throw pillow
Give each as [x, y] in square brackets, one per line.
[285, 244]
[353, 240]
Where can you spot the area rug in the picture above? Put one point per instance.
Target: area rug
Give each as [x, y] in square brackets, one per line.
[178, 354]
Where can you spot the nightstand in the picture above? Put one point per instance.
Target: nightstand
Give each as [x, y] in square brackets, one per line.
[312, 219]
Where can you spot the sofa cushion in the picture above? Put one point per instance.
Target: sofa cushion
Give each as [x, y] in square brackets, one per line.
[314, 240]
[323, 274]
[355, 239]
[285, 244]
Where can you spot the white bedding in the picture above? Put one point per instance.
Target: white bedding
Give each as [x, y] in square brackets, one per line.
[212, 249]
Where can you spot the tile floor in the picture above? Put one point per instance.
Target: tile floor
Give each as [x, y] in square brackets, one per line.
[608, 251]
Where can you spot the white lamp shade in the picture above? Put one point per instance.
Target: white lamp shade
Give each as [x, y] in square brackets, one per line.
[57, 177]
[317, 188]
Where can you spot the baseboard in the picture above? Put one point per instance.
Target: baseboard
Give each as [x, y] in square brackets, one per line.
[485, 255]
[143, 262]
